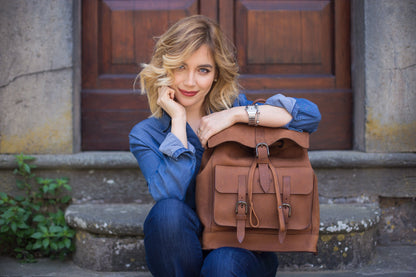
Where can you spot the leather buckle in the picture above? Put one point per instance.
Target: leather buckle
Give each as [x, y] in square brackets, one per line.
[242, 203]
[286, 205]
[262, 144]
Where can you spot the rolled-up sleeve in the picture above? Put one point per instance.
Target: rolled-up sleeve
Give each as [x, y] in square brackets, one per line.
[305, 116]
[167, 170]
[173, 147]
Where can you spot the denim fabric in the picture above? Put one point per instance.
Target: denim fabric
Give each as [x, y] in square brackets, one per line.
[172, 232]
[170, 169]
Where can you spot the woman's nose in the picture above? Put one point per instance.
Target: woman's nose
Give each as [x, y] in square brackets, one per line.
[190, 79]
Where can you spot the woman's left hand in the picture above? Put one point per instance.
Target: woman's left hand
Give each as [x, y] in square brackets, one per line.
[216, 122]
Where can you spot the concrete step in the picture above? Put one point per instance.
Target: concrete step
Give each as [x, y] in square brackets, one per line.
[110, 237]
[389, 261]
[114, 177]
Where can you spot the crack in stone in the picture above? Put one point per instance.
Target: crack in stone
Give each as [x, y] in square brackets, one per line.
[404, 68]
[32, 74]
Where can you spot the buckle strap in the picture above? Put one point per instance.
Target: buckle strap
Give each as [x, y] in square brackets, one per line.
[282, 225]
[252, 212]
[262, 155]
[287, 208]
[241, 208]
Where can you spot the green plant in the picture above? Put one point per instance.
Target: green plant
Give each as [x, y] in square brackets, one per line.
[33, 225]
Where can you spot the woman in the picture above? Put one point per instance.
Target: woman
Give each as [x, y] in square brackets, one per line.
[191, 84]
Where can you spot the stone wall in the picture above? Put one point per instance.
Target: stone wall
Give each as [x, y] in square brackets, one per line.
[37, 81]
[384, 75]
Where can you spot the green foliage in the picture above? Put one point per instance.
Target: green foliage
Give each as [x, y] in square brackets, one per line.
[34, 225]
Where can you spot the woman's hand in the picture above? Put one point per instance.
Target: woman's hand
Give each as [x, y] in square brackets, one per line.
[270, 116]
[167, 102]
[176, 111]
[216, 122]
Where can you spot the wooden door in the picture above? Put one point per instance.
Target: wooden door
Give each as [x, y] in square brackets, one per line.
[298, 48]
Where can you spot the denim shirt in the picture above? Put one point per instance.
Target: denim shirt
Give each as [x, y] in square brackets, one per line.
[170, 169]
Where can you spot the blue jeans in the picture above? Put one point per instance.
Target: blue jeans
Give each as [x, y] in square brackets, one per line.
[172, 231]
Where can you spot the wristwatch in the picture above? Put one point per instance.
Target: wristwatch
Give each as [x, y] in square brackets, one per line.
[252, 111]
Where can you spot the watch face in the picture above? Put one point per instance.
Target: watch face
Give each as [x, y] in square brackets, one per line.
[251, 109]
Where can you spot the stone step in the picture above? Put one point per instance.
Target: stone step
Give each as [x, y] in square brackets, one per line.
[110, 237]
[114, 177]
[389, 261]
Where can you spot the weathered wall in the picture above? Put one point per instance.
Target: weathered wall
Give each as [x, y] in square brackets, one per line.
[36, 76]
[384, 75]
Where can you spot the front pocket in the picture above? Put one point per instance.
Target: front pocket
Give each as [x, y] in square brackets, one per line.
[264, 203]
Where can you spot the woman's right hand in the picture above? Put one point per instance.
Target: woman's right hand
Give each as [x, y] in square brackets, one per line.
[176, 111]
[167, 102]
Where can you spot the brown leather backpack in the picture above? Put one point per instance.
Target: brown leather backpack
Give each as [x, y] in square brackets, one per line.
[257, 190]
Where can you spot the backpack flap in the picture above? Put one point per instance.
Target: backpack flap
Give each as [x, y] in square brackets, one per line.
[246, 135]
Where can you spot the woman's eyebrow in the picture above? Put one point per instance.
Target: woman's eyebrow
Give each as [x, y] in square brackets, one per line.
[205, 65]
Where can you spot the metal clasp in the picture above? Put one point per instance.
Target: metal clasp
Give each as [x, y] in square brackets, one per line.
[286, 205]
[262, 144]
[243, 203]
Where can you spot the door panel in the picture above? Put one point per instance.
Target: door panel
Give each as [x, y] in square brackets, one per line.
[284, 37]
[299, 48]
[117, 37]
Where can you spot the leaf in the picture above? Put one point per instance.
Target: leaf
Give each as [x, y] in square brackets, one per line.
[43, 229]
[19, 198]
[55, 229]
[22, 225]
[66, 199]
[3, 196]
[67, 243]
[20, 184]
[52, 187]
[61, 245]
[39, 218]
[37, 235]
[37, 245]
[13, 226]
[26, 168]
[45, 189]
[4, 229]
[45, 243]
[67, 187]
[27, 157]
[54, 246]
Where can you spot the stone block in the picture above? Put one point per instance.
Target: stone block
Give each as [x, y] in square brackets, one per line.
[108, 219]
[347, 239]
[109, 237]
[109, 253]
[398, 221]
[36, 77]
[383, 75]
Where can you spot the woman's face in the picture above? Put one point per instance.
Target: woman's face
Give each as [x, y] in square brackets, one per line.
[194, 78]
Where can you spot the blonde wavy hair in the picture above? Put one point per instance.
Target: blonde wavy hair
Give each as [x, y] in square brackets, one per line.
[178, 43]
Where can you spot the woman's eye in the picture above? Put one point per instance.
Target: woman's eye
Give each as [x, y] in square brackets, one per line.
[182, 67]
[204, 70]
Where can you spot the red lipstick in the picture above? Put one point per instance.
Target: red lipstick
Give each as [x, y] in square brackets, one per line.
[188, 93]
